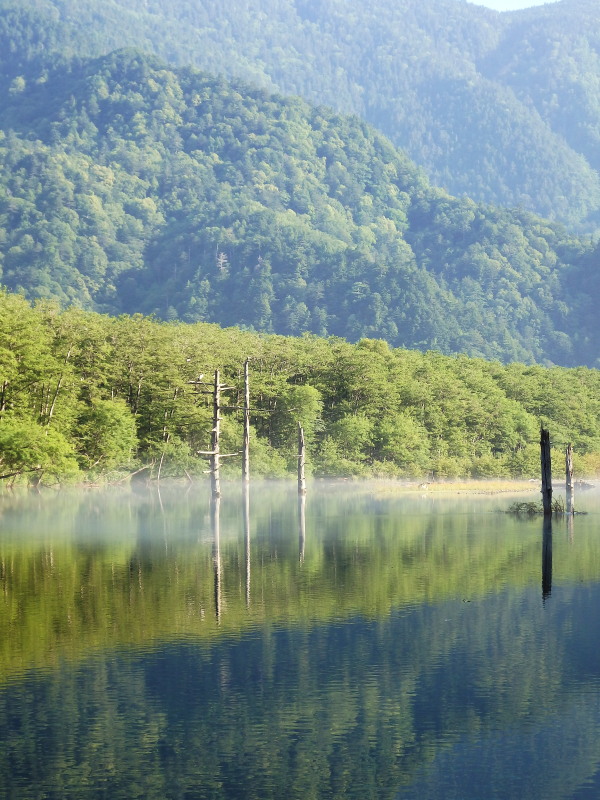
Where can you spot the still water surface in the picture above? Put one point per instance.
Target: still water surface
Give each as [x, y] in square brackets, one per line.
[368, 645]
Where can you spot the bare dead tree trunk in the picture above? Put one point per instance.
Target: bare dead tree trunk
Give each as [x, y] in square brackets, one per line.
[51, 410]
[546, 471]
[301, 461]
[246, 448]
[215, 461]
[214, 453]
[570, 509]
[58, 388]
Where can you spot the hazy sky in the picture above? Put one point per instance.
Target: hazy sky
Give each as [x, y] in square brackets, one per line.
[510, 5]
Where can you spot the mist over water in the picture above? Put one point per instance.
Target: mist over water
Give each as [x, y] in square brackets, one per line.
[363, 644]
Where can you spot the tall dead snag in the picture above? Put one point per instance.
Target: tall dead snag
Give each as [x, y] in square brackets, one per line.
[214, 453]
[246, 448]
[215, 456]
[301, 461]
[546, 471]
[570, 508]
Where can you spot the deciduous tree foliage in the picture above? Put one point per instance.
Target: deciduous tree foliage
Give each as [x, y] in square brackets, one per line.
[501, 107]
[127, 186]
[87, 396]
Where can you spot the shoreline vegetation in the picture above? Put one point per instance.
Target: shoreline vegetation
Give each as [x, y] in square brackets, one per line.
[376, 487]
[458, 486]
[88, 398]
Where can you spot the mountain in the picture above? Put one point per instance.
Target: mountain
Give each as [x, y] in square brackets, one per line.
[128, 186]
[501, 107]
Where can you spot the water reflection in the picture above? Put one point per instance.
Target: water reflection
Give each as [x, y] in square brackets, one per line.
[400, 650]
[215, 518]
[449, 701]
[86, 571]
[570, 526]
[246, 504]
[301, 526]
[547, 558]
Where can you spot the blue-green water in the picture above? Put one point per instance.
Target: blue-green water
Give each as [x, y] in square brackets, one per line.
[368, 646]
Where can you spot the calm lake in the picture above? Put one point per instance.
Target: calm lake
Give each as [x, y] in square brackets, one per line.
[369, 645]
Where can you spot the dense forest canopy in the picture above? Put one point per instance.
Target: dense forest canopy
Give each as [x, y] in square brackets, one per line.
[84, 395]
[501, 107]
[174, 202]
[127, 186]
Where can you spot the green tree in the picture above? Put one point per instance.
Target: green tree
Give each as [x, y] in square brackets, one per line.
[107, 435]
[33, 452]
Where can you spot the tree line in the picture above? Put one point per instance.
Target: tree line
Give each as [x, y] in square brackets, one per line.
[85, 396]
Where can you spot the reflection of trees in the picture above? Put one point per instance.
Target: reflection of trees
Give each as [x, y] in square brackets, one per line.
[66, 594]
[341, 676]
[327, 711]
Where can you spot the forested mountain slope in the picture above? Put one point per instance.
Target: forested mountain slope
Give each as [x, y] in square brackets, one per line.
[501, 107]
[128, 186]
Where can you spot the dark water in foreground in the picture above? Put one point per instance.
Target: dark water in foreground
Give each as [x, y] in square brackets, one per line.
[397, 647]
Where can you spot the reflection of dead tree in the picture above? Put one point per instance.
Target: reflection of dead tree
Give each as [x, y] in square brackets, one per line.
[547, 558]
[218, 569]
[301, 526]
[246, 492]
